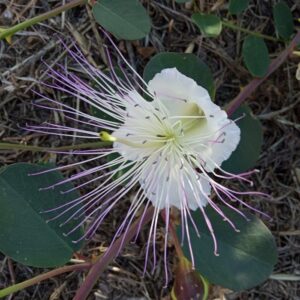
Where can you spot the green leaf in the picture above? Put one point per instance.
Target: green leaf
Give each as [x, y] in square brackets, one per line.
[126, 19]
[25, 234]
[249, 148]
[210, 25]
[256, 56]
[188, 64]
[237, 6]
[283, 18]
[246, 258]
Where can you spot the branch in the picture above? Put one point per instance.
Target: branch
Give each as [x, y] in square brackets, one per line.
[248, 89]
[20, 286]
[52, 13]
[11, 146]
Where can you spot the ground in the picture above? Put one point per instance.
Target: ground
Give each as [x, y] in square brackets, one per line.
[275, 102]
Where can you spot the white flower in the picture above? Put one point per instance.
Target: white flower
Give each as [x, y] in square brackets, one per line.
[171, 145]
[179, 138]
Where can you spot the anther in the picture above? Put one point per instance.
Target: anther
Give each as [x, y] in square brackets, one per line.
[148, 117]
[136, 105]
[211, 116]
[144, 142]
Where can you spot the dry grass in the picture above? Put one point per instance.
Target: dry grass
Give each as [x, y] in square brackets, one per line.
[276, 103]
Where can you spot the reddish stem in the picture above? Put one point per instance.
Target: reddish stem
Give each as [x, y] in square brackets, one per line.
[248, 89]
[173, 233]
[114, 250]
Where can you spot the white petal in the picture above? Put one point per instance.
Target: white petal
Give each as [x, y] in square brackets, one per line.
[217, 152]
[174, 89]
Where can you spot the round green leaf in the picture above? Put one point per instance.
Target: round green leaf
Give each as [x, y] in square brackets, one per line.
[210, 25]
[256, 56]
[126, 19]
[188, 64]
[237, 6]
[249, 148]
[25, 234]
[246, 258]
[283, 20]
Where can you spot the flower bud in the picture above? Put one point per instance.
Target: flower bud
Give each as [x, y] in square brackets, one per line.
[189, 284]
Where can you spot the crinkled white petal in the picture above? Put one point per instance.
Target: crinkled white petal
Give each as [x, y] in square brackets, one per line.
[223, 140]
[218, 152]
[174, 89]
